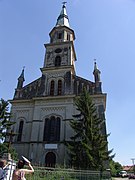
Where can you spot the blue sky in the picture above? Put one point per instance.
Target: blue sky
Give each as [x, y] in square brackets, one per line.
[105, 31]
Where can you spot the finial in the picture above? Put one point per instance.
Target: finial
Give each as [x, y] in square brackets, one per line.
[95, 64]
[23, 67]
[64, 3]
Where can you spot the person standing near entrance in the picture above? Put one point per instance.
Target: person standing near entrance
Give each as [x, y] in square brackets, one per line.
[19, 173]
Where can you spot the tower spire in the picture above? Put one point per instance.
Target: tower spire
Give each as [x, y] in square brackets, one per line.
[63, 17]
[21, 79]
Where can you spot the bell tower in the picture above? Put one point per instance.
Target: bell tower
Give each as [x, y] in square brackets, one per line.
[60, 54]
[60, 51]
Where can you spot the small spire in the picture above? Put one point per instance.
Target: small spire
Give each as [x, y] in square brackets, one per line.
[96, 72]
[95, 64]
[22, 74]
[63, 17]
[21, 79]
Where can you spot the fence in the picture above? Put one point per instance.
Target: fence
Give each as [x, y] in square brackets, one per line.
[68, 174]
[45, 173]
[9, 170]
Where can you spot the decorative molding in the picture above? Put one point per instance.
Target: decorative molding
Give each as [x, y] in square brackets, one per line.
[22, 111]
[22, 114]
[37, 120]
[53, 109]
[56, 74]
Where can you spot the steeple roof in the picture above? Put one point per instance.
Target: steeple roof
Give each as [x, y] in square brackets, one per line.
[63, 17]
[21, 77]
[96, 70]
[21, 80]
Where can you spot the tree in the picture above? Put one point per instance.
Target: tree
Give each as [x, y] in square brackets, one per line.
[115, 167]
[5, 126]
[5, 123]
[88, 148]
[4, 148]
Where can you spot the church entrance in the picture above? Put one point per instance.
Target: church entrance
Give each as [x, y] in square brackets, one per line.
[50, 159]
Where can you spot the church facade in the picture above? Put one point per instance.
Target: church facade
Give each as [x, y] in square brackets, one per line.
[42, 109]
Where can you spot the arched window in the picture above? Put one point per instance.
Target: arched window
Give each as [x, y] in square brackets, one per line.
[52, 129]
[52, 88]
[59, 87]
[19, 138]
[57, 61]
[46, 129]
[57, 129]
[68, 36]
[60, 35]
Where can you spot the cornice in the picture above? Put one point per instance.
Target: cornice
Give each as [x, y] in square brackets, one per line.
[43, 98]
[58, 69]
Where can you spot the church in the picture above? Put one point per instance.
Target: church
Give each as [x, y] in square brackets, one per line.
[43, 108]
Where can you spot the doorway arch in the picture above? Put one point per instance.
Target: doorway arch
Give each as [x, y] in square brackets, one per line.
[50, 159]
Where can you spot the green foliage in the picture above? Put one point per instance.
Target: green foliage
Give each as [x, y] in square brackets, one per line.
[115, 167]
[5, 123]
[88, 147]
[41, 173]
[50, 175]
[4, 148]
[5, 126]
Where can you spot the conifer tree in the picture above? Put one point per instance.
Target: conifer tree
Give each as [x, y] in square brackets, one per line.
[88, 148]
[5, 126]
[5, 123]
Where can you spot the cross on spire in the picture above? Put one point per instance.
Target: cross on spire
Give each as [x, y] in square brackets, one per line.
[64, 3]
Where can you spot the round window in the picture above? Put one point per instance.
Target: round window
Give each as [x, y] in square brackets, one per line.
[58, 50]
